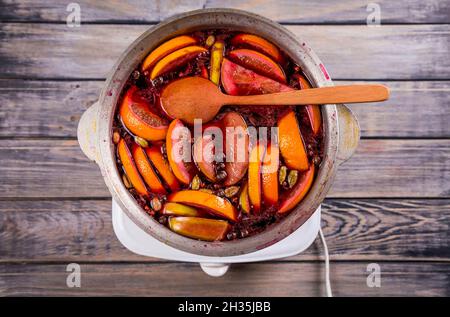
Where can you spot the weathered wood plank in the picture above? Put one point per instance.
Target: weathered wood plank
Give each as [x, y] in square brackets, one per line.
[380, 168]
[24, 102]
[56, 168]
[415, 109]
[396, 168]
[350, 52]
[375, 229]
[299, 11]
[260, 279]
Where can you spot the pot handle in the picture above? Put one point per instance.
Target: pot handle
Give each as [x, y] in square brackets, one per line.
[215, 269]
[349, 133]
[87, 132]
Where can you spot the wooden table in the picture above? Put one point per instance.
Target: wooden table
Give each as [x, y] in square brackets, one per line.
[390, 203]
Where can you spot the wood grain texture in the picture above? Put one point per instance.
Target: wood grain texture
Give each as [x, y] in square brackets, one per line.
[371, 229]
[395, 168]
[55, 208]
[380, 168]
[292, 11]
[415, 109]
[55, 168]
[44, 108]
[259, 279]
[349, 52]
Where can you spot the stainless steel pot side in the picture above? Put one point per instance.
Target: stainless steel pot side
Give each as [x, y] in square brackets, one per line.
[95, 127]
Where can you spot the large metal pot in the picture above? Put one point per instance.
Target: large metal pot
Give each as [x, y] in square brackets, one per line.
[95, 127]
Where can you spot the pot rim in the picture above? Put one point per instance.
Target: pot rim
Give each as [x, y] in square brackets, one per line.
[243, 21]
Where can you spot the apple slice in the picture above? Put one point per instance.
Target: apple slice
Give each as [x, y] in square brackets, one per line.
[174, 209]
[176, 59]
[178, 144]
[259, 63]
[165, 49]
[244, 201]
[217, 51]
[131, 169]
[291, 198]
[259, 44]
[270, 175]
[254, 176]
[139, 119]
[291, 143]
[155, 155]
[200, 228]
[214, 204]
[313, 111]
[237, 80]
[146, 170]
[236, 147]
[203, 154]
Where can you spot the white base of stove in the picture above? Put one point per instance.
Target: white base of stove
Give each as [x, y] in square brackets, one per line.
[138, 241]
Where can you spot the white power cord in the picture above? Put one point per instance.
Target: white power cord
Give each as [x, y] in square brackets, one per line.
[327, 264]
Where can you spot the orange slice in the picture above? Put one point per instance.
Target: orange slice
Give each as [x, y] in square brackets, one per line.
[146, 170]
[270, 175]
[291, 143]
[295, 195]
[139, 119]
[212, 203]
[130, 168]
[165, 49]
[175, 60]
[259, 44]
[155, 155]
[254, 176]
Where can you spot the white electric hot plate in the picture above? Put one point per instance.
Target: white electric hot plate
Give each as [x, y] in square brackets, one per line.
[138, 241]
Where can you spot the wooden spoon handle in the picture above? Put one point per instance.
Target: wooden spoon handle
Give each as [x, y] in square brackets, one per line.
[325, 95]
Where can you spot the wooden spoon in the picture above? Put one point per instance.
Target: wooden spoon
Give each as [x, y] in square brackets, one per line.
[198, 98]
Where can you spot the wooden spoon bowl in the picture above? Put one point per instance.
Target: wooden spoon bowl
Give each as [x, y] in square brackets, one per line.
[194, 98]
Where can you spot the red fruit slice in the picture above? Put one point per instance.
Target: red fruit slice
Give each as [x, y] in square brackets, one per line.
[270, 175]
[155, 155]
[178, 143]
[203, 154]
[259, 44]
[139, 119]
[291, 143]
[212, 203]
[236, 147]
[204, 72]
[314, 115]
[259, 63]
[237, 80]
[130, 168]
[146, 170]
[200, 228]
[254, 176]
[291, 198]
